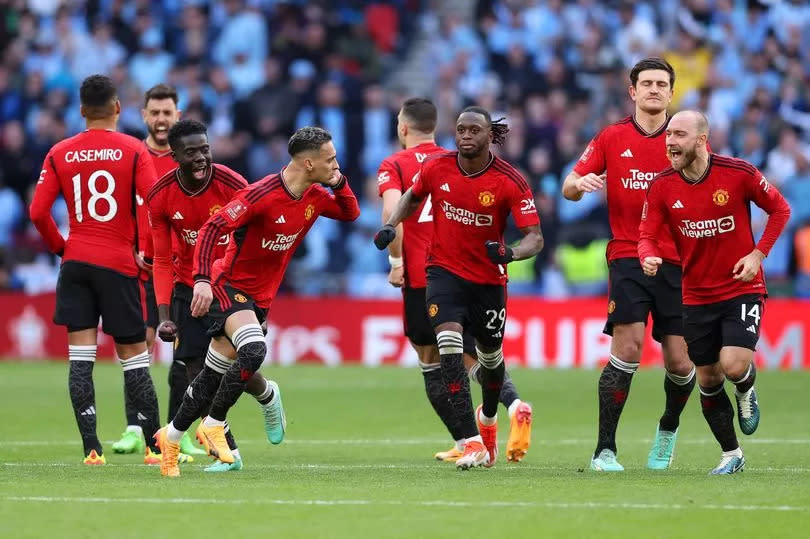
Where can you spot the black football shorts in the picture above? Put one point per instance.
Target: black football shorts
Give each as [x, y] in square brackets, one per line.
[733, 322]
[192, 333]
[417, 323]
[229, 300]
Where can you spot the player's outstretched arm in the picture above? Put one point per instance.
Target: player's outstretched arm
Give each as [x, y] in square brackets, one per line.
[405, 207]
[575, 185]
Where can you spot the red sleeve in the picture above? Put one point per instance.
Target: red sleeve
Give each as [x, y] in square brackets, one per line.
[592, 159]
[422, 186]
[232, 216]
[145, 177]
[389, 177]
[342, 205]
[522, 206]
[767, 197]
[652, 221]
[45, 193]
[162, 271]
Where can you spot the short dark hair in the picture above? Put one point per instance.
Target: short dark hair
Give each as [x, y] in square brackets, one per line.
[498, 127]
[97, 91]
[184, 128]
[648, 64]
[420, 113]
[307, 138]
[160, 91]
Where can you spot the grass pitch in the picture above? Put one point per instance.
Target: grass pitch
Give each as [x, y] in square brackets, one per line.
[357, 463]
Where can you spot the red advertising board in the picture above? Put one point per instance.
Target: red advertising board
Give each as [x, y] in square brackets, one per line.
[332, 331]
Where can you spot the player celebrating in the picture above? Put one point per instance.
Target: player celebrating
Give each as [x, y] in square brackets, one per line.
[98, 171]
[270, 218]
[622, 159]
[704, 200]
[159, 114]
[416, 124]
[473, 191]
[179, 204]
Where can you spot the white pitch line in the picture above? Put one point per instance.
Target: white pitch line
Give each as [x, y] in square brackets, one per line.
[426, 503]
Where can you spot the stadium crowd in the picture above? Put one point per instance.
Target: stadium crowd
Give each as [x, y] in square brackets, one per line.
[556, 70]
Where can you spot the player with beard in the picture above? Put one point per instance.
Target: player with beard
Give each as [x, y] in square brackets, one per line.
[416, 124]
[704, 201]
[268, 219]
[472, 191]
[159, 114]
[622, 159]
[179, 204]
[99, 172]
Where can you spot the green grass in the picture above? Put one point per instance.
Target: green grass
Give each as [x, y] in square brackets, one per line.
[357, 463]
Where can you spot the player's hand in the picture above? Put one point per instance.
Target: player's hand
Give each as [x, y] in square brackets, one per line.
[591, 182]
[747, 267]
[397, 276]
[498, 252]
[650, 265]
[336, 179]
[384, 236]
[167, 331]
[143, 263]
[201, 301]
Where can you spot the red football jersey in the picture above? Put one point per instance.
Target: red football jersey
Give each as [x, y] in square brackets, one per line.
[269, 223]
[631, 158]
[468, 211]
[711, 223]
[99, 172]
[177, 216]
[399, 172]
[163, 164]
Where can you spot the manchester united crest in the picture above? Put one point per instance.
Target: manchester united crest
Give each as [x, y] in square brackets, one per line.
[433, 310]
[309, 212]
[720, 197]
[240, 298]
[611, 307]
[213, 209]
[486, 198]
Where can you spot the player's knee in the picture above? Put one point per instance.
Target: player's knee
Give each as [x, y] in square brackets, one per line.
[679, 366]
[710, 376]
[252, 354]
[628, 350]
[736, 370]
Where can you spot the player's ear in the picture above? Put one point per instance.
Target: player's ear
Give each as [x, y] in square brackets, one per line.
[117, 107]
[632, 91]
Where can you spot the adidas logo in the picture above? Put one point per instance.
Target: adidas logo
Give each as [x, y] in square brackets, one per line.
[89, 411]
[141, 417]
[445, 187]
[752, 329]
[678, 204]
[627, 153]
[281, 220]
[177, 215]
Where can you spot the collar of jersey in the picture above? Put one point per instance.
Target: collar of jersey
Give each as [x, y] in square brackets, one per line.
[702, 178]
[202, 189]
[645, 133]
[492, 159]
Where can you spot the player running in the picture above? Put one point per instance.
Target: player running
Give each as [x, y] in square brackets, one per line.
[269, 219]
[179, 204]
[99, 173]
[622, 159]
[704, 201]
[159, 114]
[416, 124]
[472, 192]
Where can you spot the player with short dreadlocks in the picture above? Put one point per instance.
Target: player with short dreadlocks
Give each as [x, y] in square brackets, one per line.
[472, 192]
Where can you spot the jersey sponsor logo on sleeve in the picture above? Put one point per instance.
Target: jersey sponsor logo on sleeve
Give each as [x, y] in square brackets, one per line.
[41, 176]
[486, 198]
[587, 153]
[720, 197]
[638, 180]
[706, 228]
[383, 177]
[527, 206]
[764, 184]
[101, 154]
[309, 212]
[235, 209]
[465, 216]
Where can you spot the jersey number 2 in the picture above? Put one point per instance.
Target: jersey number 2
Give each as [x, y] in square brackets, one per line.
[95, 196]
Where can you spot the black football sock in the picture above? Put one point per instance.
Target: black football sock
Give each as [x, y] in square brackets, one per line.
[509, 392]
[250, 353]
[454, 376]
[677, 389]
[719, 415]
[229, 438]
[747, 381]
[141, 391]
[200, 392]
[436, 392]
[614, 386]
[178, 382]
[492, 375]
[83, 394]
[130, 411]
